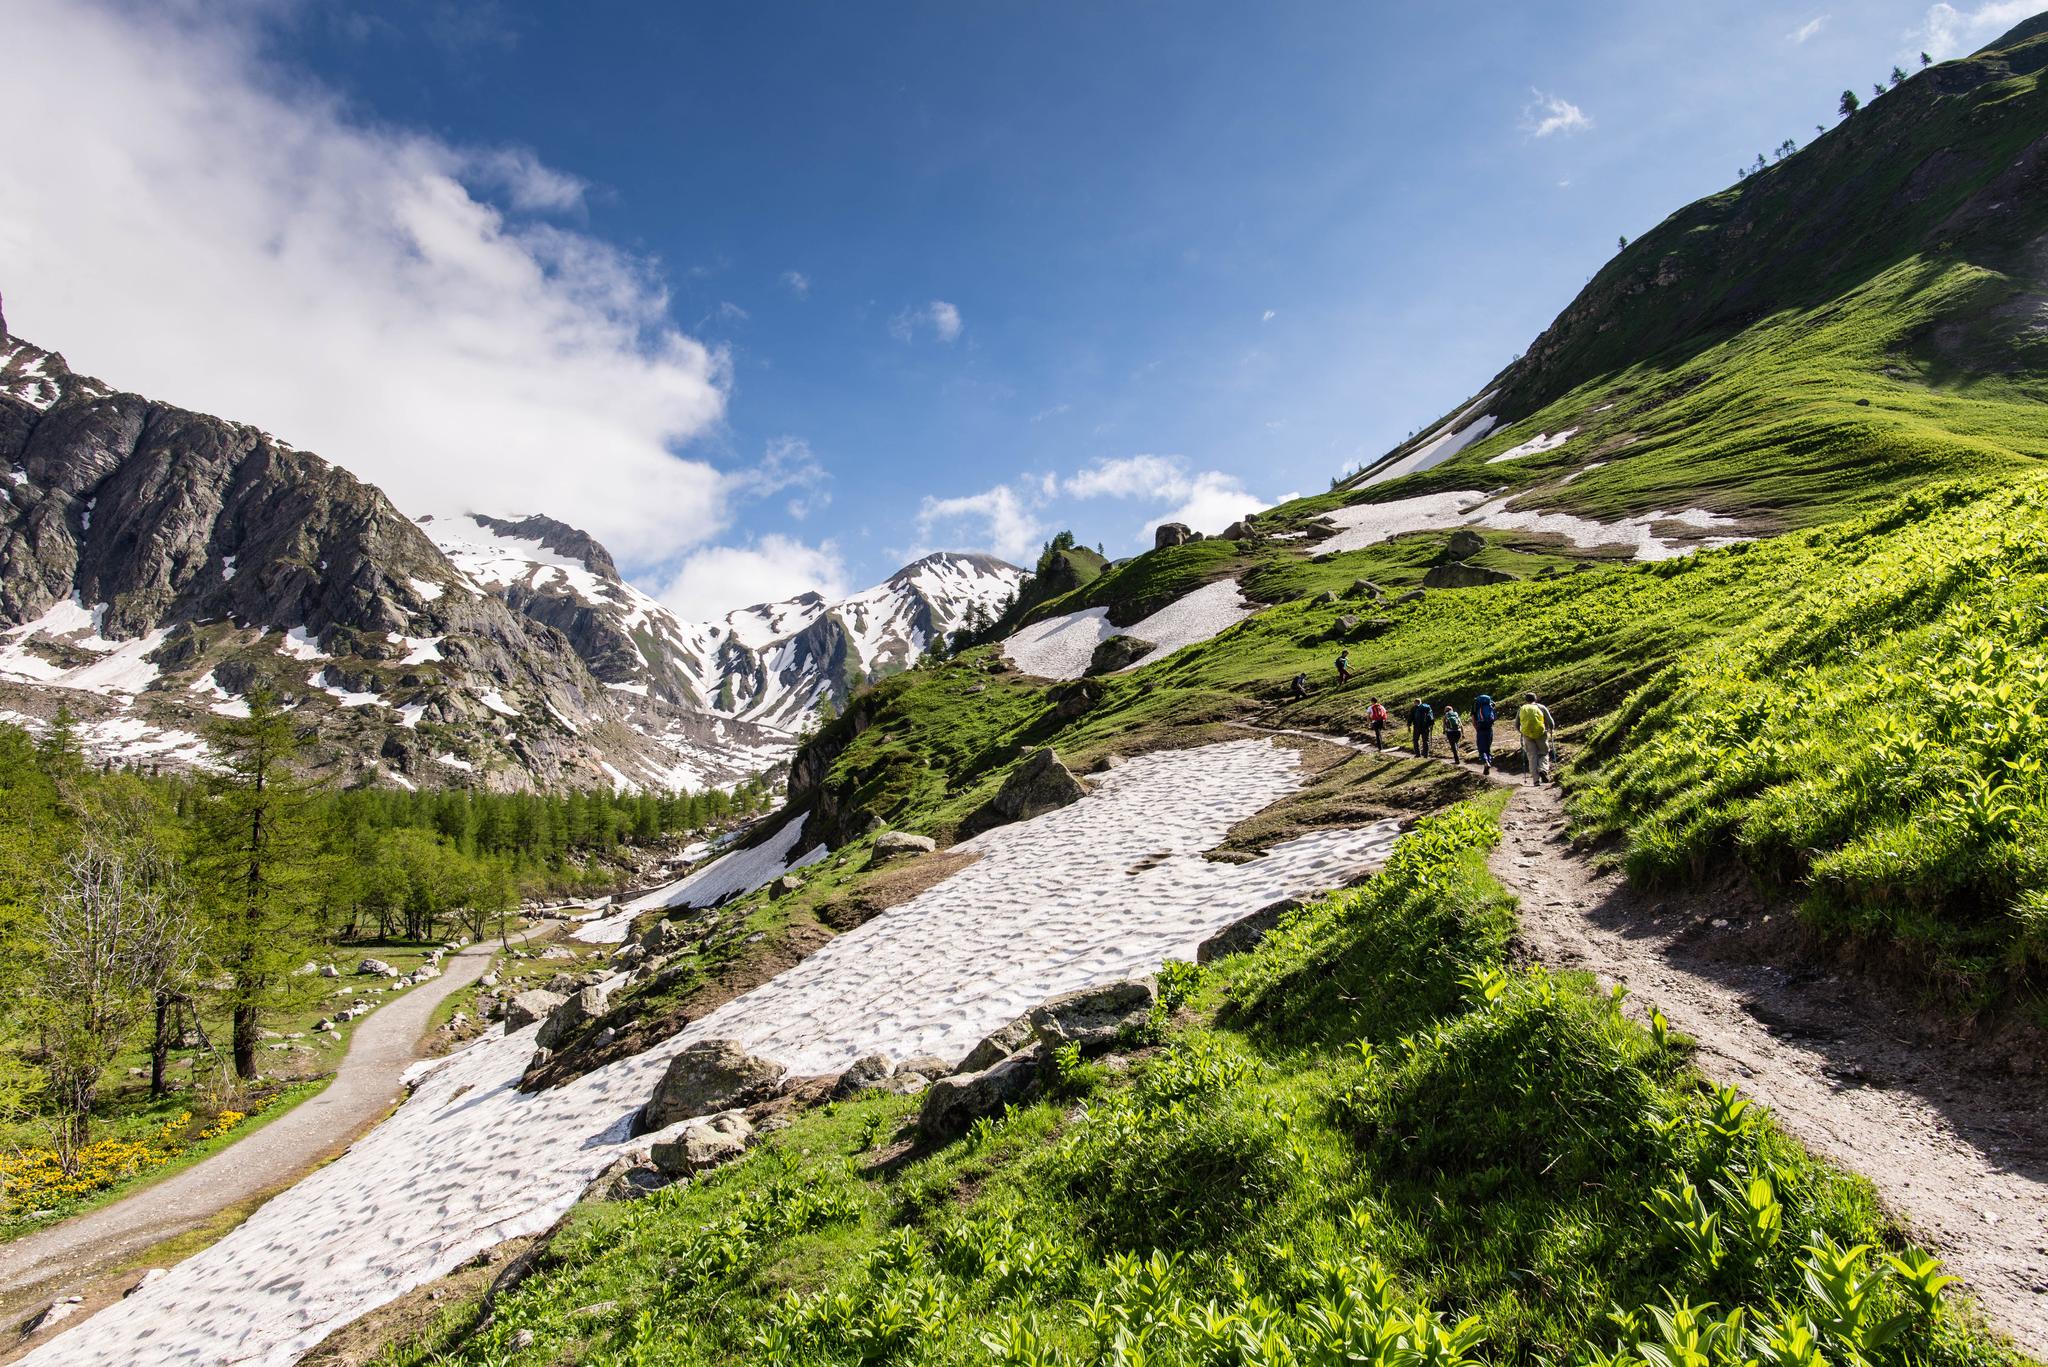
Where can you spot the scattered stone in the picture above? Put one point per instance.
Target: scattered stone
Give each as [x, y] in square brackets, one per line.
[951, 1104]
[889, 844]
[530, 1006]
[630, 955]
[377, 968]
[1464, 544]
[709, 1076]
[570, 1016]
[54, 1313]
[1412, 596]
[702, 1143]
[1119, 652]
[1460, 575]
[863, 1074]
[927, 1066]
[1238, 531]
[1039, 785]
[1171, 534]
[997, 1046]
[1327, 596]
[329, 971]
[1346, 625]
[151, 1275]
[1093, 1017]
[785, 885]
[1364, 588]
[1106, 763]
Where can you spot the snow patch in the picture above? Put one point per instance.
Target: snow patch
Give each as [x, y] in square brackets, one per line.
[495, 700]
[427, 589]
[1536, 445]
[302, 644]
[1061, 647]
[1367, 524]
[1454, 436]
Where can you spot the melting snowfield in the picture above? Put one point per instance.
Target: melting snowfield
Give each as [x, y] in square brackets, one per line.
[1060, 647]
[1366, 524]
[1098, 891]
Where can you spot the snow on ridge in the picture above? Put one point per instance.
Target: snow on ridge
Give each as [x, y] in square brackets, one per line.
[1367, 524]
[1061, 647]
[1535, 446]
[469, 1160]
[1457, 433]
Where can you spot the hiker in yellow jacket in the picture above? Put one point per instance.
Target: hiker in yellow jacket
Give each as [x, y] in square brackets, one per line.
[1536, 725]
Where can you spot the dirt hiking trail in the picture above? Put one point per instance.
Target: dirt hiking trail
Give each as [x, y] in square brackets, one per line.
[1959, 1156]
[60, 1259]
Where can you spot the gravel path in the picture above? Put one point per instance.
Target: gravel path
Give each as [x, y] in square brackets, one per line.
[366, 1086]
[1960, 1156]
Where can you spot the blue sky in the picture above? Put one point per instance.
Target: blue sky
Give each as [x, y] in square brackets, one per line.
[883, 277]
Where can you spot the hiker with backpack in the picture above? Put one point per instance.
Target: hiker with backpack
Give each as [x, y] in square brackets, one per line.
[1343, 668]
[1421, 723]
[1300, 686]
[1378, 717]
[1482, 731]
[1537, 727]
[1454, 729]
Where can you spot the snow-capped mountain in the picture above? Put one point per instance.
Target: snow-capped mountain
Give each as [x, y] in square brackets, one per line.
[770, 664]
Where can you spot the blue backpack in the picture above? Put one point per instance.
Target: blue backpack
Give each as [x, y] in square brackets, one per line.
[1482, 709]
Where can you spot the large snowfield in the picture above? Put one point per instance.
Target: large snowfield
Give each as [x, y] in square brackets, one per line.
[1098, 891]
[1367, 524]
[1061, 647]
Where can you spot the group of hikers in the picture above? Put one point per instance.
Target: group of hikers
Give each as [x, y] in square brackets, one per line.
[1533, 723]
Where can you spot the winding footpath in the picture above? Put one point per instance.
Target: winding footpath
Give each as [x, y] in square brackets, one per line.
[366, 1086]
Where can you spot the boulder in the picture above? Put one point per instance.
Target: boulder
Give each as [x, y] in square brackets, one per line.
[889, 844]
[1364, 588]
[663, 937]
[569, 1017]
[996, 1047]
[1459, 575]
[1238, 531]
[329, 971]
[627, 1179]
[376, 968]
[953, 1103]
[1071, 700]
[1346, 625]
[863, 1074]
[1412, 596]
[1104, 763]
[1326, 597]
[785, 885]
[1245, 932]
[927, 1066]
[1038, 785]
[1171, 534]
[707, 1077]
[530, 1006]
[1094, 1017]
[700, 1144]
[1119, 652]
[1464, 544]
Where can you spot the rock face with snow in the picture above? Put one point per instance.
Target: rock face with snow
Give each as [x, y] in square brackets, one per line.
[157, 566]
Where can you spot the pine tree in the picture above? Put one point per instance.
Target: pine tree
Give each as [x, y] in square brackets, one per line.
[256, 866]
[1899, 75]
[1850, 104]
[1925, 61]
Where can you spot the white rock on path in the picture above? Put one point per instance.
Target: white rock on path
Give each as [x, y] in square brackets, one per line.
[1092, 893]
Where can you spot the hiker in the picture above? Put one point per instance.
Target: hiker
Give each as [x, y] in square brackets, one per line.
[1536, 725]
[1421, 723]
[1301, 685]
[1454, 727]
[1482, 731]
[1343, 668]
[1378, 717]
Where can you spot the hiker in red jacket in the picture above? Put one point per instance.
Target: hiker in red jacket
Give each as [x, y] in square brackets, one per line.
[1378, 717]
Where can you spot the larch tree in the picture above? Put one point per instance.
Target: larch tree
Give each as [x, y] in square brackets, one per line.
[256, 864]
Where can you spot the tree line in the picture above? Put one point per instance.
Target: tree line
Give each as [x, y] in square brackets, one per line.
[130, 905]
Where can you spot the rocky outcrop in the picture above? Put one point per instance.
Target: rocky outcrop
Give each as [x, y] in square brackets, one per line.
[1094, 1017]
[699, 1144]
[998, 1045]
[1171, 534]
[571, 1016]
[1039, 784]
[863, 1074]
[707, 1077]
[527, 1007]
[952, 1104]
[892, 844]
[1463, 544]
[1458, 575]
[1119, 652]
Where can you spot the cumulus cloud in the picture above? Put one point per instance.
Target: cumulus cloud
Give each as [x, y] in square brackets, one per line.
[217, 234]
[717, 579]
[797, 283]
[1001, 521]
[1546, 115]
[1808, 29]
[1207, 500]
[938, 317]
[1952, 32]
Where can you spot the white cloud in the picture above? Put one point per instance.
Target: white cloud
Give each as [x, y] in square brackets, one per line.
[1057, 410]
[713, 581]
[941, 317]
[1268, 316]
[1208, 501]
[1545, 115]
[797, 283]
[999, 520]
[1808, 29]
[216, 233]
[1951, 32]
[1212, 502]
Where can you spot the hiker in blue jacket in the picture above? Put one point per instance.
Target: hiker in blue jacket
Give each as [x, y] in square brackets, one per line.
[1482, 731]
[1421, 723]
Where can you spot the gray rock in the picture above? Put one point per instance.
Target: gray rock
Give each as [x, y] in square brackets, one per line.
[1105, 763]
[1119, 652]
[1364, 588]
[951, 1104]
[709, 1076]
[889, 844]
[1237, 531]
[569, 1017]
[329, 971]
[627, 1179]
[995, 1047]
[1038, 785]
[863, 1074]
[1326, 597]
[785, 885]
[1464, 543]
[1072, 700]
[1346, 625]
[1245, 932]
[1094, 1017]
[701, 1143]
[1412, 596]
[927, 1066]
[530, 1006]
[1171, 534]
[376, 968]
[1459, 575]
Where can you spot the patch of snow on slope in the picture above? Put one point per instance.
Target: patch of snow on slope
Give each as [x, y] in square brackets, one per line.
[1454, 436]
[495, 700]
[469, 1160]
[302, 644]
[735, 875]
[1061, 647]
[1535, 446]
[121, 668]
[1367, 524]
[427, 589]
